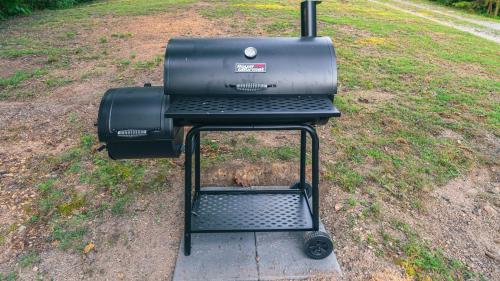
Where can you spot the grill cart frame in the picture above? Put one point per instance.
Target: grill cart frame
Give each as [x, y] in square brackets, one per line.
[208, 211]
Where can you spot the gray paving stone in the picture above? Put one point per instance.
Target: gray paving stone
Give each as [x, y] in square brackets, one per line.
[281, 256]
[251, 256]
[218, 256]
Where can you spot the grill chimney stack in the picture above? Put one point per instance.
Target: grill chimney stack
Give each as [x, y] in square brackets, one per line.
[308, 18]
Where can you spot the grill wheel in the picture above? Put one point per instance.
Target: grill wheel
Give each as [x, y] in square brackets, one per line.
[308, 188]
[318, 244]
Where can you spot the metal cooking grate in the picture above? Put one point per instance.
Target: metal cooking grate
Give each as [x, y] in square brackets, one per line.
[251, 212]
[249, 104]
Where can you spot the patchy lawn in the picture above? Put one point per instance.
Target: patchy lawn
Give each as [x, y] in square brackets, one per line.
[410, 178]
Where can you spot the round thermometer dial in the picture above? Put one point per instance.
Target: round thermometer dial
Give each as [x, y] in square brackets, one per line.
[250, 52]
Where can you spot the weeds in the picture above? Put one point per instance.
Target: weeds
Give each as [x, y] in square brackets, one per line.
[120, 204]
[28, 259]
[68, 235]
[149, 64]
[57, 81]
[345, 177]
[419, 260]
[11, 276]
[122, 35]
[20, 76]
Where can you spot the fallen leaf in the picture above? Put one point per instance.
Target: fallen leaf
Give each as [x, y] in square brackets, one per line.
[363, 100]
[88, 248]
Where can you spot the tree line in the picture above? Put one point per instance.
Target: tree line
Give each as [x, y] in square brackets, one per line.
[491, 7]
[25, 7]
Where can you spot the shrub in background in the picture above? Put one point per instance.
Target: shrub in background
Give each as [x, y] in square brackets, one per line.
[13, 7]
[491, 7]
[24, 7]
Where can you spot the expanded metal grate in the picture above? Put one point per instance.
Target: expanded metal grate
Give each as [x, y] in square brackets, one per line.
[254, 212]
[251, 104]
[248, 107]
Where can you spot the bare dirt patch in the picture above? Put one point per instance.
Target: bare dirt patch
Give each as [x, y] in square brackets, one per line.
[460, 218]
[245, 174]
[371, 97]
[463, 220]
[150, 34]
[9, 67]
[389, 275]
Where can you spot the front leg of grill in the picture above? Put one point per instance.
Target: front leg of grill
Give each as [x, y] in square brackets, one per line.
[187, 189]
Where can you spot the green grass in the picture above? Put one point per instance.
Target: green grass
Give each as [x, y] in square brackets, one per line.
[345, 177]
[122, 35]
[57, 81]
[120, 205]
[11, 276]
[29, 259]
[13, 47]
[82, 13]
[148, 64]
[70, 233]
[419, 260]
[248, 148]
[20, 76]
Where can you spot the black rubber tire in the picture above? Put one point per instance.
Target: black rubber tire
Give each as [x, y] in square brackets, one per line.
[308, 188]
[318, 244]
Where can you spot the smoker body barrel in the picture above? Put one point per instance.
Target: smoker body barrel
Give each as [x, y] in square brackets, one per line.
[245, 66]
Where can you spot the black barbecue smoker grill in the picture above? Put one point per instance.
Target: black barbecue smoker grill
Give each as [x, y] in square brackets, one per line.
[233, 84]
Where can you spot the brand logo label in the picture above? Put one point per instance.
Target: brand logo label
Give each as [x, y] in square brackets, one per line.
[250, 67]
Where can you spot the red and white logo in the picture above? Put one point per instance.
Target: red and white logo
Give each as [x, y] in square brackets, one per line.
[250, 67]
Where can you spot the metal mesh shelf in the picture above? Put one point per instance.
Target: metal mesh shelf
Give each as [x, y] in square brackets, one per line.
[227, 211]
[199, 109]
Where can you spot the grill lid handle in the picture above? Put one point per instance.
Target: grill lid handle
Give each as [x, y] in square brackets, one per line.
[251, 87]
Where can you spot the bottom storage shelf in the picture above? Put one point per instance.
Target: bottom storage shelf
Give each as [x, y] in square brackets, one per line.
[227, 211]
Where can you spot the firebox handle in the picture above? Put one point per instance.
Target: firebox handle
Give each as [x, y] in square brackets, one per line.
[308, 18]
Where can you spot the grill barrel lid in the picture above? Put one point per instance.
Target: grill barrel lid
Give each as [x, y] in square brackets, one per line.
[235, 66]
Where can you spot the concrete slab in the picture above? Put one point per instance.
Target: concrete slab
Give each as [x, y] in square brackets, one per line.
[218, 256]
[281, 256]
[251, 256]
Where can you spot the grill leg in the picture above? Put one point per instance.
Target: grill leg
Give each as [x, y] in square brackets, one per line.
[303, 147]
[187, 244]
[197, 171]
[315, 177]
[187, 192]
